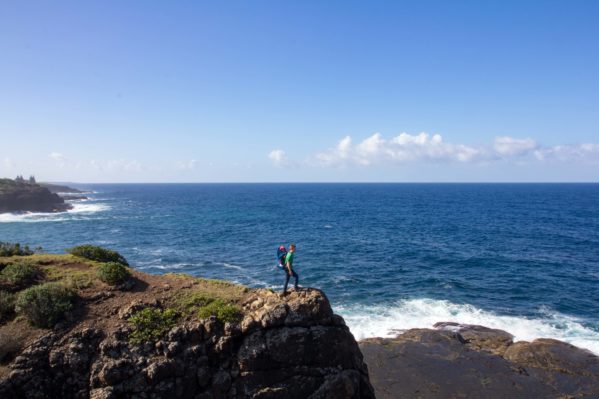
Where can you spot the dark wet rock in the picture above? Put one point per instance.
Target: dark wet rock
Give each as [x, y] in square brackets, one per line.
[477, 362]
[479, 337]
[59, 188]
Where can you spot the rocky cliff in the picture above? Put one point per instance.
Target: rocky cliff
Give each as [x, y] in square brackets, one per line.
[21, 197]
[278, 347]
[465, 361]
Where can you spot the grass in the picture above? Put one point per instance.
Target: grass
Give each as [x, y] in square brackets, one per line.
[72, 278]
[205, 303]
[48, 259]
[223, 311]
[58, 268]
[45, 304]
[150, 324]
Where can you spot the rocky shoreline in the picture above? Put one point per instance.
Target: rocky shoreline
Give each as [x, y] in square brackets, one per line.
[468, 361]
[276, 346]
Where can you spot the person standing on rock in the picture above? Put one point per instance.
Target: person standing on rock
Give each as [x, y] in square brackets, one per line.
[289, 268]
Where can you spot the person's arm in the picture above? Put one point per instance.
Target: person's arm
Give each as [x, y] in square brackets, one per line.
[289, 269]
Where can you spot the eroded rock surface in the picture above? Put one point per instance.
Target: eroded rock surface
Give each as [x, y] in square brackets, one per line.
[290, 347]
[464, 361]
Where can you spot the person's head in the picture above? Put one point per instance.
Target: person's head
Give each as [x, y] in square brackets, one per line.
[291, 247]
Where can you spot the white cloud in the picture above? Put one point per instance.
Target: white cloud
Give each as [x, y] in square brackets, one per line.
[59, 158]
[278, 157]
[422, 147]
[187, 165]
[400, 149]
[587, 152]
[117, 165]
[9, 163]
[509, 146]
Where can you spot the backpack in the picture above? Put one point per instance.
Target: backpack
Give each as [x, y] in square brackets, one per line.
[281, 254]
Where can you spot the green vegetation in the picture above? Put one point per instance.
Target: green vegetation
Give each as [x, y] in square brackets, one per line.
[21, 273]
[99, 254]
[224, 311]
[72, 278]
[209, 298]
[7, 305]
[44, 305]
[151, 324]
[113, 273]
[14, 249]
[10, 345]
[190, 301]
[205, 304]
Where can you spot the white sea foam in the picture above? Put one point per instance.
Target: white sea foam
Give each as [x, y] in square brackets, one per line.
[384, 321]
[230, 266]
[79, 209]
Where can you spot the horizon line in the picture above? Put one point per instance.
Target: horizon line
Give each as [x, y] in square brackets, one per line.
[335, 182]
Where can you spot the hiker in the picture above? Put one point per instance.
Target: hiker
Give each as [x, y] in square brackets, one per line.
[288, 267]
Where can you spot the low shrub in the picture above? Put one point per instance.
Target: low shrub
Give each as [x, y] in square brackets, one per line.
[44, 305]
[99, 254]
[190, 301]
[113, 273]
[224, 311]
[151, 324]
[7, 305]
[10, 345]
[19, 273]
[14, 249]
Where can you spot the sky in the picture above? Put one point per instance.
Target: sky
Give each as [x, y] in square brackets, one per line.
[300, 91]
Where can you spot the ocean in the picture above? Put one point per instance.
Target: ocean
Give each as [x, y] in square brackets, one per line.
[519, 257]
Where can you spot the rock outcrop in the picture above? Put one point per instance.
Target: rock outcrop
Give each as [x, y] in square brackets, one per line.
[284, 347]
[464, 361]
[29, 197]
[59, 188]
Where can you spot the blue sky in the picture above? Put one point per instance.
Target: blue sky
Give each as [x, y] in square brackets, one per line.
[300, 91]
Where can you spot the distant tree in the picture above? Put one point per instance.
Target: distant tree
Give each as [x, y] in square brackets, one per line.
[19, 179]
[31, 179]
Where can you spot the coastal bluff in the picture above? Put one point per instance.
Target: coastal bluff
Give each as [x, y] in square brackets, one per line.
[271, 346]
[22, 196]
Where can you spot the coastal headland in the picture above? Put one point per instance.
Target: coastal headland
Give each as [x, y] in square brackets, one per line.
[85, 324]
[28, 196]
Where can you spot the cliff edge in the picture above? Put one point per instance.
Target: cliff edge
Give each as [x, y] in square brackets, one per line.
[174, 336]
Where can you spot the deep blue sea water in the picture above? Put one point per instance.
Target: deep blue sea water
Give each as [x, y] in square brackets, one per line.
[521, 257]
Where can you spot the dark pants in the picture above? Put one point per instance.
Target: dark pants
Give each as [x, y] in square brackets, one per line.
[287, 276]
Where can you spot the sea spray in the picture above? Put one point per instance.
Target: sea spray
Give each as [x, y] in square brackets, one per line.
[389, 320]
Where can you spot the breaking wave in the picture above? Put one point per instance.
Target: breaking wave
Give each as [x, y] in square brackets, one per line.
[79, 210]
[388, 321]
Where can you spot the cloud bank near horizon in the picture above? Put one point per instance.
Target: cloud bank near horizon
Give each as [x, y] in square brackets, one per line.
[406, 148]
